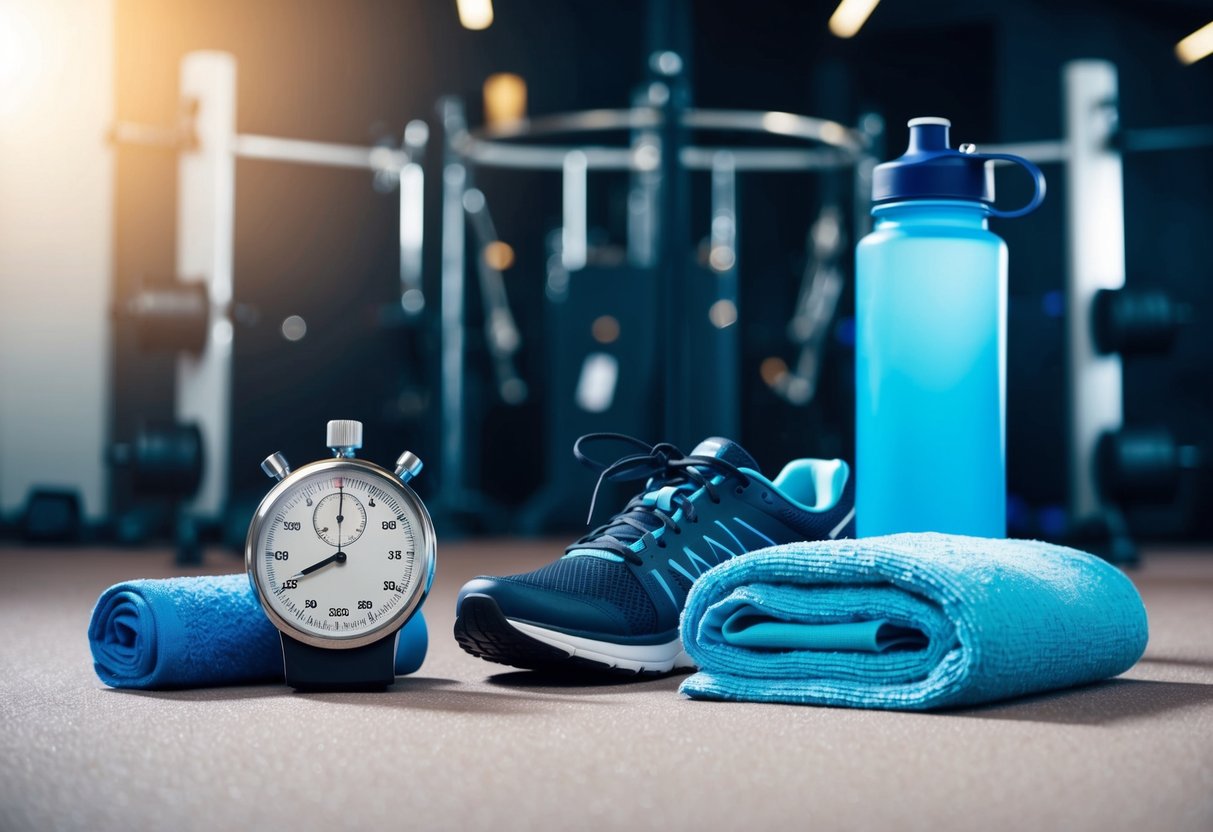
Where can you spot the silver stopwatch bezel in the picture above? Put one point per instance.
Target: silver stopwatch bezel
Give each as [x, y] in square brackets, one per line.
[425, 553]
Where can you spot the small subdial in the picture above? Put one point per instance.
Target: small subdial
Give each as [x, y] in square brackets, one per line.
[339, 519]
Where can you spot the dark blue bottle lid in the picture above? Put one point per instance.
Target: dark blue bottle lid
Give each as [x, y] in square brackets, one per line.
[930, 169]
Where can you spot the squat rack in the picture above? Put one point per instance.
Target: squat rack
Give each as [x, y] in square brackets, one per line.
[658, 153]
[1102, 451]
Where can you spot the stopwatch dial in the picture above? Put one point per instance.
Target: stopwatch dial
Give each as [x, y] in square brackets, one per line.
[347, 583]
[339, 518]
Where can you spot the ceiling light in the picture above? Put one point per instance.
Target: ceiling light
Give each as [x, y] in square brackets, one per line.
[850, 16]
[475, 14]
[1195, 46]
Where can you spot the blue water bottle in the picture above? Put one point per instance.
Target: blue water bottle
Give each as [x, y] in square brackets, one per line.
[931, 342]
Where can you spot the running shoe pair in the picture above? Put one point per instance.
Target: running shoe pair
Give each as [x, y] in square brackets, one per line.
[613, 601]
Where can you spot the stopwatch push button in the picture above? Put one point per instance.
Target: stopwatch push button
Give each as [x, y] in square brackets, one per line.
[408, 465]
[275, 466]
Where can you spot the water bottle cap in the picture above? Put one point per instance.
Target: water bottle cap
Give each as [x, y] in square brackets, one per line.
[931, 169]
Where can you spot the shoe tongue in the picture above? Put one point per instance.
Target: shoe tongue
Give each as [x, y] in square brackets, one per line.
[727, 450]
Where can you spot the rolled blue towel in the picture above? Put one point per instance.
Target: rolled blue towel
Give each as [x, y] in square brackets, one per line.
[199, 632]
[909, 621]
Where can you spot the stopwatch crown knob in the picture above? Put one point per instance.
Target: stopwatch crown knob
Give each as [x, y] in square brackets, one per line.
[344, 436]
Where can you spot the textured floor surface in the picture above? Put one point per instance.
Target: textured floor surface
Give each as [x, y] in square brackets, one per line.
[470, 745]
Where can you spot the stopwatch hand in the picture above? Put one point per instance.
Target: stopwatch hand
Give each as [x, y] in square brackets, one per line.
[340, 510]
[338, 557]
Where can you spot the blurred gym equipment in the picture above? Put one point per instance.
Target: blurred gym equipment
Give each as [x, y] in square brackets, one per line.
[612, 309]
[610, 306]
[165, 464]
[195, 316]
[501, 332]
[1111, 465]
[821, 287]
[52, 515]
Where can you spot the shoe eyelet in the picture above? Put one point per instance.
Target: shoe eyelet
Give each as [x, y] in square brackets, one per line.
[740, 489]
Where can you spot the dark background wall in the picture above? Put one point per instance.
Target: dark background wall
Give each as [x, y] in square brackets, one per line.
[321, 243]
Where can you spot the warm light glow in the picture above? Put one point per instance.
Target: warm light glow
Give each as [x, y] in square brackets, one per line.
[499, 255]
[504, 98]
[646, 156]
[721, 258]
[22, 56]
[475, 14]
[723, 313]
[773, 370]
[850, 16]
[605, 329]
[1195, 46]
[833, 132]
[785, 124]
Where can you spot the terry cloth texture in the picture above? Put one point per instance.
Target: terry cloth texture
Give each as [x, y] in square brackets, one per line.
[199, 632]
[909, 621]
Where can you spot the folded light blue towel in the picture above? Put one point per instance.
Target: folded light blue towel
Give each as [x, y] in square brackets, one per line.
[909, 621]
[199, 632]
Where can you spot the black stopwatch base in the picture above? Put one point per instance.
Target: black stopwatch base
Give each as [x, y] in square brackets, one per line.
[316, 669]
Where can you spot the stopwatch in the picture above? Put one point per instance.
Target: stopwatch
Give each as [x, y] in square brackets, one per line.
[341, 554]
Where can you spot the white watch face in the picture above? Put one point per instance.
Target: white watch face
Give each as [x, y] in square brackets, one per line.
[339, 552]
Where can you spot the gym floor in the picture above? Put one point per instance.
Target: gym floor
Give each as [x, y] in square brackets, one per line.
[466, 744]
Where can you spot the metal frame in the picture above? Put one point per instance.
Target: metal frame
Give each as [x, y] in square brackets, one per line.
[1095, 253]
[496, 147]
[206, 197]
[454, 236]
[1096, 218]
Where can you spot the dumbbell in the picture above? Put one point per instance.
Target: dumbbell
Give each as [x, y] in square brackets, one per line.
[1136, 322]
[164, 459]
[52, 515]
[1141, 465]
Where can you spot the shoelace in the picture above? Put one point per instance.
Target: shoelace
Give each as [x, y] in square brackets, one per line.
[663, 465]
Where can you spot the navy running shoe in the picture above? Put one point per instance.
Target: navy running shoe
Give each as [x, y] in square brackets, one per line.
[613, 602]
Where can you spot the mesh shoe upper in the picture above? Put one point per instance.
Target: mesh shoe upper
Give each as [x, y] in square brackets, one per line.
[682, 532]
[594, 577]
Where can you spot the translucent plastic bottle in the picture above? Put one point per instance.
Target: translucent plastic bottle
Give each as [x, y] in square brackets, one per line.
[931, 323]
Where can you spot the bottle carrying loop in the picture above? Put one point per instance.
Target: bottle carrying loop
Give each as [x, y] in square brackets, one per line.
[1037, 177]
[931, 169]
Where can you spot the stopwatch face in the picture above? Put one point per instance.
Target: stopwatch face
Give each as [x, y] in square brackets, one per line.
[339, 550]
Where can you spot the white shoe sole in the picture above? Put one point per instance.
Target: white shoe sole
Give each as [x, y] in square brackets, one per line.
[638, 658]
